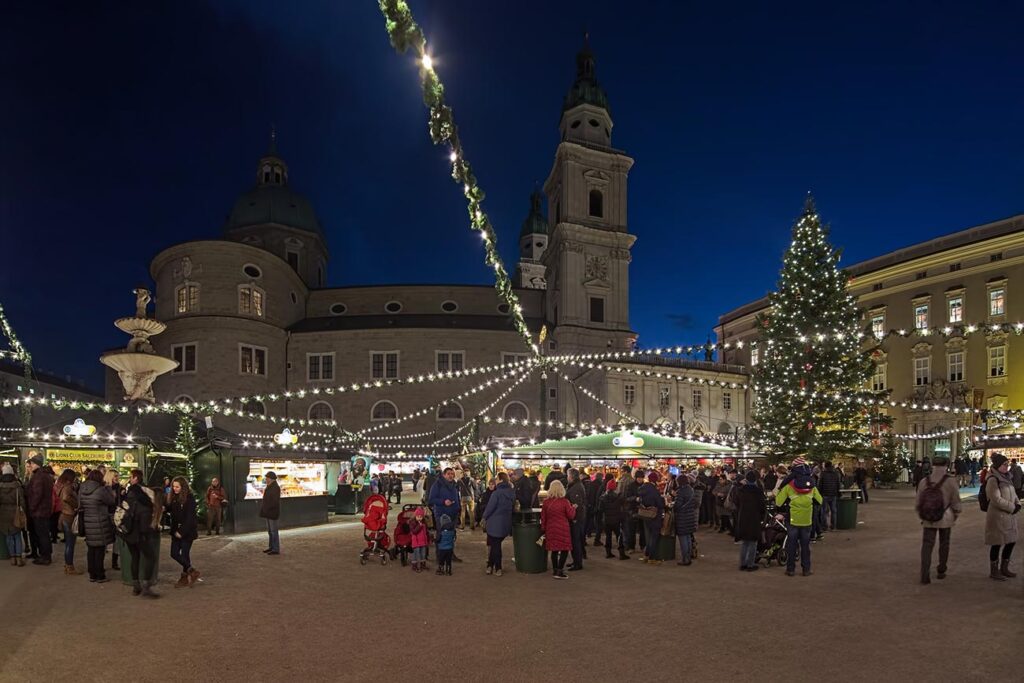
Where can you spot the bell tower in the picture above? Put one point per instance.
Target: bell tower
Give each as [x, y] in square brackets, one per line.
[533, 240]
[588, 253]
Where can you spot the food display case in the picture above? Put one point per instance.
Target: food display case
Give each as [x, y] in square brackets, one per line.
[296, 478]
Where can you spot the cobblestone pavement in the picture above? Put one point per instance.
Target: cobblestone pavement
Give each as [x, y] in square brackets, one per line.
[313, 613]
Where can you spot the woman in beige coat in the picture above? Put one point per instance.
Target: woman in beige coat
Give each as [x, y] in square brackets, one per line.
[1000, 519]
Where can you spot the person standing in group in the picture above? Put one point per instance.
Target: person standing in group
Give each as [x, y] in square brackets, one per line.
[555, 474]
[420, 539]
[525, 489]
[416, 474]
[143, 520]
[594, 492]
[627, 488]
[938, 506]
[556, 513]
[860, 478]
[750, 512]
[13, 514]
[1000, 518]
[611, 510]
[829, 484]
[112, 480]
[467, 500]
[801, 495]
[270, 510]
[687, 510]
[216, 500]
[96, 501]
[497, 521]
[576, 494]
[39, 502]
[650, 499]
[443, 499]
[184, 530]
[1017, 477]
[722, 503]
[445, 545]
[67, 493]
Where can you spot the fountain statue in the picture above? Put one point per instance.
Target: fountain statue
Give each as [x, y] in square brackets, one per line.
[138, 365]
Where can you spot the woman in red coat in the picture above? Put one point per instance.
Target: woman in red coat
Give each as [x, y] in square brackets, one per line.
[555, 515]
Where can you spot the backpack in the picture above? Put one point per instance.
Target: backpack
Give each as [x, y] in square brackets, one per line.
[931, 506]
[983, 497]
[122, 519]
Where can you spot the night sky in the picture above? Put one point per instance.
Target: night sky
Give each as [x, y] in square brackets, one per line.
[128, 127]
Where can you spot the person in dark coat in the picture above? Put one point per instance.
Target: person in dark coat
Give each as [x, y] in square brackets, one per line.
[96, 501]
[556, 473]
[555, 516]
[39, 503]
[270, 510]
[526, 489]
[650, 497]
[593, 496]
[12, 499]
[686, 508]
[627, 488]
[829, 484]
[611, 510]
[750, 511]
[576, 494]
[497, 520]
[443, 499]
[184, 530]
[140, 520]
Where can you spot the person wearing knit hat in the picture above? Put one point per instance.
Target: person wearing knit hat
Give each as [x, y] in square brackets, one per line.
[1000, 518]
[611, 508]
[651, 500]
[36, 460]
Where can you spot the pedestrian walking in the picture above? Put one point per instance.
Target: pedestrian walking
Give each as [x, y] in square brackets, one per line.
[938, 506]
[750, 511]
[142, 521]
[1000, 518]
[497, 521]
[445, 545]
[67, 493]
[556, 513]
[801, 495]
[13, 514]
[270, 510]
[216, 500]
[184, 530]
[97, 502]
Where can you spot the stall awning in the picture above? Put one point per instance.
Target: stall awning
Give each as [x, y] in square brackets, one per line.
[627, 445]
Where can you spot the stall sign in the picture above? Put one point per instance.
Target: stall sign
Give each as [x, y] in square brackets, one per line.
[79, 455]
[286, 438]
[628, 440]
[79, 428]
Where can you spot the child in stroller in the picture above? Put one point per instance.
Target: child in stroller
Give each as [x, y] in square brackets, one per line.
[772, 544]
[375, 524]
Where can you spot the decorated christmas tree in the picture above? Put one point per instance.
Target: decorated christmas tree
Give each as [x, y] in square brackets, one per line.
[893, 457]
[810, 350]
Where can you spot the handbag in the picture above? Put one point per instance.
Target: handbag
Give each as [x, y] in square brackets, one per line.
[78, 523]
[20, 522]
[540, 541]
[647, 512]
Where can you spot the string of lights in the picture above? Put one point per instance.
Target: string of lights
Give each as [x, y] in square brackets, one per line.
[658, 374]
[17, 351]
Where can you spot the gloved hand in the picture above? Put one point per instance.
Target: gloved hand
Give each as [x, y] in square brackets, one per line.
[1016, 508]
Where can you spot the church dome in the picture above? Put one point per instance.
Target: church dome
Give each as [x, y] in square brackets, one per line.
[535, 223]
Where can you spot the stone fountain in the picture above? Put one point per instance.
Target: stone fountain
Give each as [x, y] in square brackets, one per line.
[138, 365]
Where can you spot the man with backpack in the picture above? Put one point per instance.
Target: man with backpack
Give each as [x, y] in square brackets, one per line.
[938, 506]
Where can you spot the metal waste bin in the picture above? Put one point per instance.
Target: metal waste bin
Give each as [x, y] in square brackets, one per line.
[530, 558]
[126, 559]
[666, 548]
[847, 515]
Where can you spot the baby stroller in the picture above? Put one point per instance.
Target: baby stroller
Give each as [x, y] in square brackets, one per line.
[375, 524]
[772, 544]
[403, 534]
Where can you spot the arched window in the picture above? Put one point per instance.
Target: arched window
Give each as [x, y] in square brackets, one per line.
[383, 410]
[254, 406]
[321, 410]
[450, 411]
[725, 428]
[184, 398]
[516, 410]
[596, 204]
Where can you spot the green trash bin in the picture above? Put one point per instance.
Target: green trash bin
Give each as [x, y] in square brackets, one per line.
[126, 560]
[530, 558]
[847, 515]
[3, 549]
[666, 548]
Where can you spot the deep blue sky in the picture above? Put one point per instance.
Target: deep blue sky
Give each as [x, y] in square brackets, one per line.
[127, 127]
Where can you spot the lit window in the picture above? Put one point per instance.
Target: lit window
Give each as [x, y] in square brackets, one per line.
[726, 400]
[878, 325]
[922, 371]
[384, 364]
[629, 394]
[955, 365]
[921, 317]
[319, 366]
[187, 298]
[321, 411]
[878, 379]
[252, 360]
[516, 410]
[698, 399]
[250, 300]
[450, 361]
[997, 361]
[185, 354]
[956, 309]
[383, 410]
[997, 301]
[755, 355]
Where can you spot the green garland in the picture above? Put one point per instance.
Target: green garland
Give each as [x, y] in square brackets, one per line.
[18, 350]
[405, 33]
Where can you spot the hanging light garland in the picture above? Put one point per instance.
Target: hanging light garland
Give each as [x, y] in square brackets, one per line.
[17, 351]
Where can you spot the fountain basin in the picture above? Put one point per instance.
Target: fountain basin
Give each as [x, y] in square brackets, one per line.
[140, 327]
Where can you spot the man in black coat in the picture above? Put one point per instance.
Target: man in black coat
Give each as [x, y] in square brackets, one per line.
[829, 484]
[576, 494]
[750, 513]
[525, 489]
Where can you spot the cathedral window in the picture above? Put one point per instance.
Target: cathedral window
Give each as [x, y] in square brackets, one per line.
[293, 259]
[319, 366]
[516, 410]
[185, 355]
[187, 298]
[250, 300]
[384, 364]
[383, 410]
[450, 411]
[321, 411]
[450, 361]
[596, 204]
[252, 360]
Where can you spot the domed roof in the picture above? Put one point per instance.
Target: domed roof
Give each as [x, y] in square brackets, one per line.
[586, 89]
[535, 223]
[273, 204]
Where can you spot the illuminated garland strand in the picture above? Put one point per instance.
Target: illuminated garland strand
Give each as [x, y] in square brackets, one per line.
[483, 412]
[405, 33]
[18, 351]
[660, 375]
[598, 400]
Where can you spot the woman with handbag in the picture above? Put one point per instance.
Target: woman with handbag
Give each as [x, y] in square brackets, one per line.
[651, 513]
[96, 502]
[67, 493]
[12, 514]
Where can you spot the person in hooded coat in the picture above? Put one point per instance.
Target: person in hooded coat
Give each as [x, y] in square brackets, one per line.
[556, 514]
[1000, 518]
[686, 507]
[96, 501]
[650, 497]
[497, 521]
[12, 499]
[576, 494]
[139, 535]
[612, 510]
[750, 511]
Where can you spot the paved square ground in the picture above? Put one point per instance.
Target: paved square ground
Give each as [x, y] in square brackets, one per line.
[313, 613]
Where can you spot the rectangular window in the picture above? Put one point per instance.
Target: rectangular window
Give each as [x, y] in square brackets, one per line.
[922, 371]
[596, 309]
[450, 361]
[319, 366]
[876, 287]
[956, 309]
[629, 394]
[293, 260]
[997, 361]
[878, 379]
[250, 301]
[953, 267]
[955, 365]
[726, 400]
[921, 317]
[997, 301]
[698, 399]
[552, 392]
[995, 257]
[384, 364]
[664, 396]
[755, 355]
[878, 325]
[187, 298]
[513, 358]
[252, 360]
[552, 415]
[185, 354]
[922, 275]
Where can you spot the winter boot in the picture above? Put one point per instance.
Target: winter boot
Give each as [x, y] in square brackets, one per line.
[994, 572]
[623, 555]
[1004, 569]
[147, 590]
[183, 581]
[193, 576]
[136, 588]
[70, 570]
[21, 561]
[608, 553]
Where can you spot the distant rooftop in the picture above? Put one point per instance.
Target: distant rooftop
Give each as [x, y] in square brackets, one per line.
[66, 382]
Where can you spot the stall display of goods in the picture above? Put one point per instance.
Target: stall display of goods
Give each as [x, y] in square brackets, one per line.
[296, 479]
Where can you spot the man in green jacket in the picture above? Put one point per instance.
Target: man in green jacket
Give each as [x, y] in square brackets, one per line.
[801, 495]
